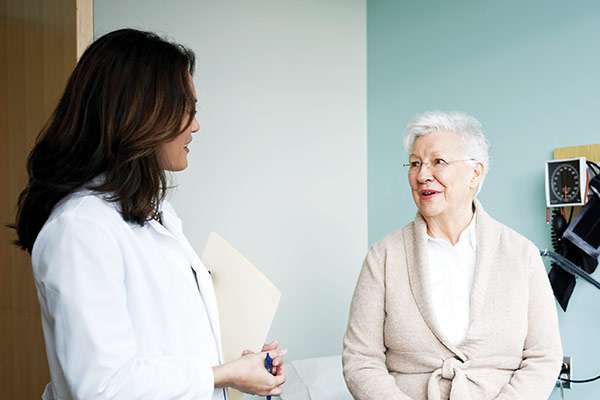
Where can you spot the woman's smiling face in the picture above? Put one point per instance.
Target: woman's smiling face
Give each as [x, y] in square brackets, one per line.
[443, 180]
[173, 154]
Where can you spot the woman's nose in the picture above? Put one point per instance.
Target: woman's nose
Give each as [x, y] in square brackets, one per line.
[424, 173]
[195, 125]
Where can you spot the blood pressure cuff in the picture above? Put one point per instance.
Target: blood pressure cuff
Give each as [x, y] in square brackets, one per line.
[584, 231]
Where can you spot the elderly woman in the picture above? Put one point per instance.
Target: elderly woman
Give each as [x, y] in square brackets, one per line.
[454, 305]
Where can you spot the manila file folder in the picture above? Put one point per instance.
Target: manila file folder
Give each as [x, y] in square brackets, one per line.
[247, 300]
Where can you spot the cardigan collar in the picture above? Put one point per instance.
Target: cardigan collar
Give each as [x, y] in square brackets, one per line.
[419, 270]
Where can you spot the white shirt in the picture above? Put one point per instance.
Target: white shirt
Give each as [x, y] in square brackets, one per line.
[122, 315]
[451, 280]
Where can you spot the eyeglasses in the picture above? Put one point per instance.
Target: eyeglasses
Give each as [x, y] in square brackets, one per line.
[437, 165]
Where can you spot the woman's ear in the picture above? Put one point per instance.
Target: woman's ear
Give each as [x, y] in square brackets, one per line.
[478, 171]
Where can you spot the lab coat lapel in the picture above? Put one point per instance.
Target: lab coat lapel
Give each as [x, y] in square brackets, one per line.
[172, 228]
[208, 295]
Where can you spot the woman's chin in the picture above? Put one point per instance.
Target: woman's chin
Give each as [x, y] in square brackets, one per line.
[176, 167]
[430, 209]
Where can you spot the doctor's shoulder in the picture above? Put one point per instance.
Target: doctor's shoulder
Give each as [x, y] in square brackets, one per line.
[79, 214]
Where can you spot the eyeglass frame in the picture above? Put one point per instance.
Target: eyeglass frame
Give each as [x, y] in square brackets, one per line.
[413, 169]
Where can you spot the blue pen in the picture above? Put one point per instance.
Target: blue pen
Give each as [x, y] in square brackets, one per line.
[269, 367]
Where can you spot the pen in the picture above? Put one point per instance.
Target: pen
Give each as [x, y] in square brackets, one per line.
[269, 367]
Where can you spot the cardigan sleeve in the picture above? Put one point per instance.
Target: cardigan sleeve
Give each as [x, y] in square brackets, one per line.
[542, 351]
[363, 356]
[80, 274]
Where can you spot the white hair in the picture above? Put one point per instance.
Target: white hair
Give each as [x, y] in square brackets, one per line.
[464, 125]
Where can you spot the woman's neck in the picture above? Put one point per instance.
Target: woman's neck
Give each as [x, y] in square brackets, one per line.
[449, 226]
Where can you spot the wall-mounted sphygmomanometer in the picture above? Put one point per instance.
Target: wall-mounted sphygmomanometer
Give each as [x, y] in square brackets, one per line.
[576, 182]
[566, 181]
[573, 195]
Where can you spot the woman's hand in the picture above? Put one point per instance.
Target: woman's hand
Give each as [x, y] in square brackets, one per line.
[248, 374]
[271, 348]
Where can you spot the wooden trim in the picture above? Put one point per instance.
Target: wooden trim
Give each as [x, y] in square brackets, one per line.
[85, 25]
[589, 151]
[39, 44]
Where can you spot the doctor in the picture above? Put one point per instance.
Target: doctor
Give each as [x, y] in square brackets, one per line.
[128, 309]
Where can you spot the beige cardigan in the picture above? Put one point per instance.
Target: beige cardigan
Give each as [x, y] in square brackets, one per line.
[394, 350]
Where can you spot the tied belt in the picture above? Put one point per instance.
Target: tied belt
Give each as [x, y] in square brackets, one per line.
[453, 369]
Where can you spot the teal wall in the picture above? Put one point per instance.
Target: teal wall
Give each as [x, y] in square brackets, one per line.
[530, 72]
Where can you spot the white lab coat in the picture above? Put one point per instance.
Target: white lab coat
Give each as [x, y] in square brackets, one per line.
[121, 313]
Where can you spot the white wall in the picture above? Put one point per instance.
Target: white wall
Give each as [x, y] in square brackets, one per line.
[279, 167]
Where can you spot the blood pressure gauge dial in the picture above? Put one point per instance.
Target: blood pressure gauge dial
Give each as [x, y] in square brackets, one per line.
[565, 182]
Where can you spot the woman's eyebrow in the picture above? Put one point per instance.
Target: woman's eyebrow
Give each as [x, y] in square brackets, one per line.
[433, 154]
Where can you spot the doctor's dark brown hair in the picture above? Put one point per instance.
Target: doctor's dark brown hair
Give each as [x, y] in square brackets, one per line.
[129, 93]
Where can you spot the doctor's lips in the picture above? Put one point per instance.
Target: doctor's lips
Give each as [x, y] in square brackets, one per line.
[187, 149]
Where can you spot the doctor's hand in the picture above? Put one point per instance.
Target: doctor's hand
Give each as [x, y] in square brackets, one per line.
[271, 348]
[248, 374]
